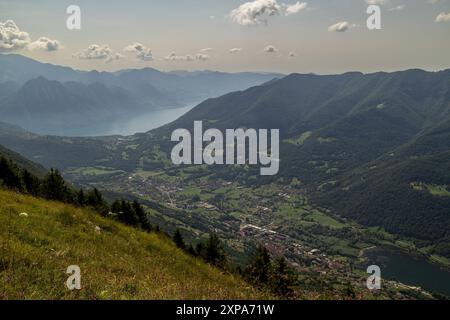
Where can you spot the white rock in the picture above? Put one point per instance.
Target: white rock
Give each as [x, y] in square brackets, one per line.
[23, 214]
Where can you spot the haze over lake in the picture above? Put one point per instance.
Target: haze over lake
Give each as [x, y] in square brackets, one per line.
[126, 125]
[143, 123]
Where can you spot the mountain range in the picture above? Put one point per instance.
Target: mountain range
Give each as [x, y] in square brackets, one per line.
[374, 148]
[371, 147]
[51, 99]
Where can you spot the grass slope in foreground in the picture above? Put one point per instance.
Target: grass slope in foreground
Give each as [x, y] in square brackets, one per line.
[116, 261]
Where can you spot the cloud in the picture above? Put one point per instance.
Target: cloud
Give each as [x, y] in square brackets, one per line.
[295, 8]
[115, 56]
[202, 57]
[188, 58]
[398, 8]
[97, 52]
[292, 54]
[45, 44]
[443, 17]
[142, 52]
[339, 27]
[174, 57]
[235, 50]
[255, 12]
[206, 50]
[377, 2]
[270, 49]
[12, 38]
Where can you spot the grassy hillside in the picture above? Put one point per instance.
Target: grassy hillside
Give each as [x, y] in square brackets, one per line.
[116, 261]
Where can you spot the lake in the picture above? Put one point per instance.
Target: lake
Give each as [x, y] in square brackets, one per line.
[142, 123]
[410, 270]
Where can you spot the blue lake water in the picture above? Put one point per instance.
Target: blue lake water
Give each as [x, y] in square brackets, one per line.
[142, 123]
[410, 270]
[128, 126]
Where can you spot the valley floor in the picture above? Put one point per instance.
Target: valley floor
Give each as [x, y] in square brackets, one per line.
[327, 251]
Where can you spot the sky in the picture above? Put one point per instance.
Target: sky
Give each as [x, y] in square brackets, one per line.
[318, 36]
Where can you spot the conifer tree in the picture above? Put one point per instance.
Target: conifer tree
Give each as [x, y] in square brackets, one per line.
[214, 252]
[9, 175]
[142, 216]
[258, 269]
[81, 198]
[54, 187]
[281, 278]
[31, 183]
[178, 239]
[96, 201]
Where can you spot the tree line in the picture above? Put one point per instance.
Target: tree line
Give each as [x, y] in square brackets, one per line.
[261, 270]
[53, 187]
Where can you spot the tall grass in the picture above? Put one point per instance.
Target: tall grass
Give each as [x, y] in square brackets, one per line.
[116, 261]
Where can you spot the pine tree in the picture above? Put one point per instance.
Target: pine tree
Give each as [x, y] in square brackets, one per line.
[200, 250]
[190, 249]
[281, 278]
[54, 187]
[214, 252]
[258, 269]
[178, 239]
[96, 201]
[142, 216]
[9, 175]
[31, 183]
[126, 213]
[81, 199]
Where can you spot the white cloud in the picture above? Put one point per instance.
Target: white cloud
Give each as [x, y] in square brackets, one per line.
[295, 8]
[174, 57]
[235, 50]
[142, 52]
[270, 49]
[443, 17]
[115, 56]
[377, 2]
[45, 44]
[206, 50]
[339, 27]
[398, 8]
[202, 57]
[96, 52]
[188, 58]
[12, 38]
[255, 12]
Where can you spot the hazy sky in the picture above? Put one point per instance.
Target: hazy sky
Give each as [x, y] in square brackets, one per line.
[231, 35]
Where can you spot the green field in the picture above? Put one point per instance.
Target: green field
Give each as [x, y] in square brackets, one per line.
[435, 190]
